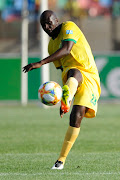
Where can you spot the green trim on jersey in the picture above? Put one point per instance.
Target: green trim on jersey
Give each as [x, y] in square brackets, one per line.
[70, 40]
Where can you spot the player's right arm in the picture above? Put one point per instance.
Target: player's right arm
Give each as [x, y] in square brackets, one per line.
[60, 53]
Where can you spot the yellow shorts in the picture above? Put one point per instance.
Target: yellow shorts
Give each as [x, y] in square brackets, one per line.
[88, 92]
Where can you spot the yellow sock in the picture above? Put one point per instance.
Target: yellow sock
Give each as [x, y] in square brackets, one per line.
[72, 84]
[71, 135]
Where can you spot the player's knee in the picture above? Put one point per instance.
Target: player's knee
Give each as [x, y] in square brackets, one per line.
[77, 115]
[75, 119]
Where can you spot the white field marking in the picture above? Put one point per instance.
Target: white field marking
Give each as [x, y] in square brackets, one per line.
[27, 154]
[62, 173]
[47, 154]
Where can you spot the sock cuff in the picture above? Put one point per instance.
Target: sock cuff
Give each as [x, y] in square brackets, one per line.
[73, 80]
[74, 130]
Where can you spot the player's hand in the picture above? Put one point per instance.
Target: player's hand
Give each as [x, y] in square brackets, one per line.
[31, 66]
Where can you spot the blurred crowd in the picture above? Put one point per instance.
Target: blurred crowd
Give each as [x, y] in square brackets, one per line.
[93, 8]
[79, 11]
[11, 10]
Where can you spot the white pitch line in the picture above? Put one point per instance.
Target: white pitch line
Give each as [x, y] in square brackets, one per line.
[42, 154]
[62, 173]
[26, 154]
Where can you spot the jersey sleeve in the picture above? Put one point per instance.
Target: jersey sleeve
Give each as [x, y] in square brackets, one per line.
[70, 32]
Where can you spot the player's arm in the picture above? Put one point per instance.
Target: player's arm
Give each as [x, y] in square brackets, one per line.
[63, 51]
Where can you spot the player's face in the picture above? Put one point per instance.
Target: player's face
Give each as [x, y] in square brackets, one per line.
[49, 24]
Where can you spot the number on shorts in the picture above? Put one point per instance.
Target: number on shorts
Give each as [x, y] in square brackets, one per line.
[93, 100]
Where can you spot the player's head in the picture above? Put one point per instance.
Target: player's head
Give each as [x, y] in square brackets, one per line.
[49, 22]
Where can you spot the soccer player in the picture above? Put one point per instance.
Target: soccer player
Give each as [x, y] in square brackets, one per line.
[70, 52]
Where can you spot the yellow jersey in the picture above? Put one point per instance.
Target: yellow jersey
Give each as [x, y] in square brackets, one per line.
[81, 51]
[81, 58]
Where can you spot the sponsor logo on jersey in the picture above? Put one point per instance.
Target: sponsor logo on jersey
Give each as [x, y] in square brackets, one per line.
[69, 31]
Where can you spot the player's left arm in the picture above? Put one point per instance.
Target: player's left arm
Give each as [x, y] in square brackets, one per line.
[63, 51]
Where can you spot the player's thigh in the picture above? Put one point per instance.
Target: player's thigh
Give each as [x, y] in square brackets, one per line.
[77, 115]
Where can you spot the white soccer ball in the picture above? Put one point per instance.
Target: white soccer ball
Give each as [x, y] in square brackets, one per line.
[50, 93]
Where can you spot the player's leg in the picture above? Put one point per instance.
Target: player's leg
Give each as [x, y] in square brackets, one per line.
[77, 115]
[74, 78]
[72, 133]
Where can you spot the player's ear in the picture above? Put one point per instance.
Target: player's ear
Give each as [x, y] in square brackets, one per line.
[56, 20]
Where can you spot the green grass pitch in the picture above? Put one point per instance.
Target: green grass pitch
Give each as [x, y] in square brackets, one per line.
[31, 138]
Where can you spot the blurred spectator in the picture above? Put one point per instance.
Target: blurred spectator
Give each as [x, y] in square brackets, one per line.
[10, 14]
[2, 4]
[31, 5]
[84, 4]
[11, 10]
[106, 3]
[37, 5]
[94, 9]
[116, 8]
[52, 4]
[106, 7]
[18, 4]
[61, 3]
[74, 9]
[83, 7]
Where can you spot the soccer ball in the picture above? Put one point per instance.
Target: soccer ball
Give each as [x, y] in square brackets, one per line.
[50, 93]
